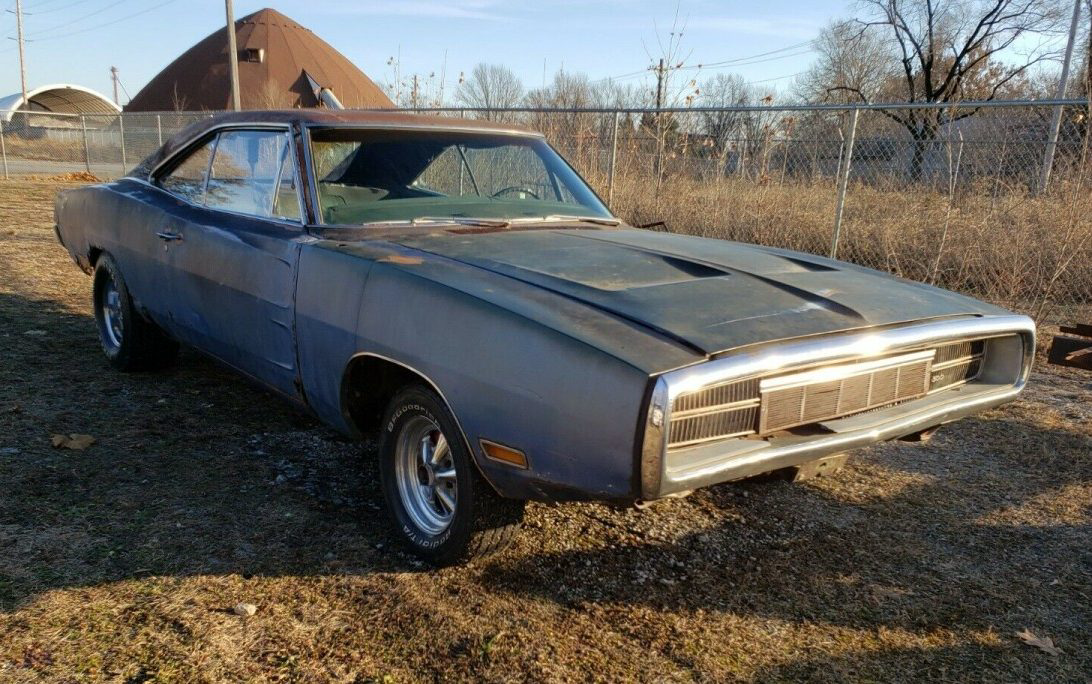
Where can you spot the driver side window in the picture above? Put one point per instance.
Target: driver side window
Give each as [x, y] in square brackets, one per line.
[246, 172]
[187, 180]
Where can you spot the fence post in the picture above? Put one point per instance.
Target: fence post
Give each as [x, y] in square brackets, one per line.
[3, 148]
[1056, 119]
[86, 148]
[159, 128]
[121, 132]
[613, 161]
[843, 181]
[741, 158]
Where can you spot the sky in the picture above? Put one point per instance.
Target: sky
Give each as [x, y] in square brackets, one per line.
[77, 41]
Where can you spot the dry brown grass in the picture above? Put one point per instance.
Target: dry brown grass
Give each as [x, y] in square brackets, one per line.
[1031, 254]
[122, 562]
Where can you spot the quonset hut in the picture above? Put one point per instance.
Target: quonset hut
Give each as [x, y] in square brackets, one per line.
[281, 65]
[58, 98]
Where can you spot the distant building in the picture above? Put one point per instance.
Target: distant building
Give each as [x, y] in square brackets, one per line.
[281, 65]
[58, 98]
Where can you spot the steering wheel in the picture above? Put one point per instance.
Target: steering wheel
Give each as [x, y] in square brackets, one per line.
[516, 188]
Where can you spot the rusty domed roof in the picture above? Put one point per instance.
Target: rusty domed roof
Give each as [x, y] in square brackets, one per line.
[274, 54]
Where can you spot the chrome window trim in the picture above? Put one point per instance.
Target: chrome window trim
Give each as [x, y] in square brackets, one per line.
[499, 130]
[289, 151]
[215, 132]
[793, 354]
[316, 218]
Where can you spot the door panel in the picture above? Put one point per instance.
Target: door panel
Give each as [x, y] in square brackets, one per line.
[233, 265]
[233, 290]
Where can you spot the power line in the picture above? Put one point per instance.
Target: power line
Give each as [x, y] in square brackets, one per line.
[721, 65]
[776, 78]
[109, 23]
[78, 20]
[36, 12]
[729, 62]
[746, 60]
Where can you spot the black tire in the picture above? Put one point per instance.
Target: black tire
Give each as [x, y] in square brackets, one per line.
[482, 523]
[130, 342]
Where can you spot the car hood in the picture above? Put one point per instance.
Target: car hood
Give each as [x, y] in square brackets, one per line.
[710, 295]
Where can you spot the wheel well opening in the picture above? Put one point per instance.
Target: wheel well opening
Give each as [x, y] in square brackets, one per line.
[93, 255]
[369, 385]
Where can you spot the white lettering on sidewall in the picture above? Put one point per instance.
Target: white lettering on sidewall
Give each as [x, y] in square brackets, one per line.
[423, 541]
[402, 410]
[412, 534]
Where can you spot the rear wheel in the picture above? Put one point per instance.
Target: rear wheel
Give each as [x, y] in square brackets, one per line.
[438, 503]
[130, 342]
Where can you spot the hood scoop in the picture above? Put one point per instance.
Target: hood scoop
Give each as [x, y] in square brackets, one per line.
[604, 267]
[707, 294]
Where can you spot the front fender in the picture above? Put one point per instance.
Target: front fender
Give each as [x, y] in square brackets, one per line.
[570, 407]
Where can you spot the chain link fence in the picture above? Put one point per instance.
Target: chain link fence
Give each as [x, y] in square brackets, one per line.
[991, 199]
[104, 145]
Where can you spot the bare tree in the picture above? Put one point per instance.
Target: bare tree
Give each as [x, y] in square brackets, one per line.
[851, 64]
[724, 125]
[947, 51]
[488, 87]
[1086, 74]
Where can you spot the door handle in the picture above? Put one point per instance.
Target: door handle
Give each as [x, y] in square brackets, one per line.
[168, 236]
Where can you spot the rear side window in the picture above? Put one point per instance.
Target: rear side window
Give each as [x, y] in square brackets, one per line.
[187, 180]
[245, 172]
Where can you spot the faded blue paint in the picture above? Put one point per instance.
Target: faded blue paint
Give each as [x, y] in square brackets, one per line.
[542, 338]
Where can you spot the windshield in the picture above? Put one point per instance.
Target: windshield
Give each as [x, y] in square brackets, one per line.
[370, 176]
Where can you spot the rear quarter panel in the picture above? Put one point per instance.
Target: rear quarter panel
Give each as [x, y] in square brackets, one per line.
[120, 218]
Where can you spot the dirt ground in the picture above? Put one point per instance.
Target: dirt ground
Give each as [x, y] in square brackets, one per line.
[123, 562]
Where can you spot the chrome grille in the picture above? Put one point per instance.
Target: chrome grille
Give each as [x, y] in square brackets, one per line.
[763, 405]
[956, 364]
[716, 412]
[718, 425]
[831, 392]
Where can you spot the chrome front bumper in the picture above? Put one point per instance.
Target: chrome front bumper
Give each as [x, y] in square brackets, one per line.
[1010, 351]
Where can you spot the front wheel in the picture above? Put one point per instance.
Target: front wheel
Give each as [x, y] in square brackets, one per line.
[438, 503]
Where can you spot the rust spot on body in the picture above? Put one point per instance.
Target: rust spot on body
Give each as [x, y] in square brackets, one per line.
[399, 259]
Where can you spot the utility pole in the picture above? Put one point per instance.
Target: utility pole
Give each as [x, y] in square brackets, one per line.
[660, 132]
[22, 56]
[233, 56]
[114, 78]
[660, 84]
[1063, 81]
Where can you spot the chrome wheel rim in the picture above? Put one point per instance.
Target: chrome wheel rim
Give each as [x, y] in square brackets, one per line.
[112, 322]
[424, 469]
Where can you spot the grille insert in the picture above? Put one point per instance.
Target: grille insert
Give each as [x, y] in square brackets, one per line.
[824, 393]
[956, 364]
[764, 405]
[716, 412]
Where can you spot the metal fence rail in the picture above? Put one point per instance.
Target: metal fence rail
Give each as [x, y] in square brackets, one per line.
[952, 195]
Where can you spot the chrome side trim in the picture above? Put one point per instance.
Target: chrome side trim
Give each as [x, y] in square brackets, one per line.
[845, 347]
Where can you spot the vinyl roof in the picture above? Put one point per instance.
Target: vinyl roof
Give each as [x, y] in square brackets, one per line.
[321, 117]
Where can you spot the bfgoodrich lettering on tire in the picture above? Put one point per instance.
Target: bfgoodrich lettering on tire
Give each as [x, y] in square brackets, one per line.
[438, 503]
